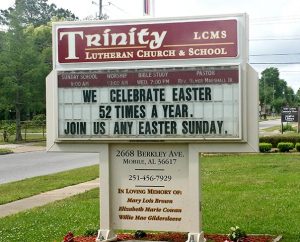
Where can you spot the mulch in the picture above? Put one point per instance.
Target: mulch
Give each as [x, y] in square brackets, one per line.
[179, 237]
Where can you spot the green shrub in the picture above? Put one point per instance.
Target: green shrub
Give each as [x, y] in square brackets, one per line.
[297, 146]
[139, 234]
[275, 139]
[265, 147]
[10, 128]
[236, 234]
[285, 146]
[39, 119]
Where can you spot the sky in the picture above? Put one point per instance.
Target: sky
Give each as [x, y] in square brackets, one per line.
[274, 29]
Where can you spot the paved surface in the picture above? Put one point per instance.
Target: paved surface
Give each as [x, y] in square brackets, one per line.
[269, 123]
[25, 163]
[45, 198]
[17, 166]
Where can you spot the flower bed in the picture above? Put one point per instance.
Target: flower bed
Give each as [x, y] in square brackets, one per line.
[179, 237]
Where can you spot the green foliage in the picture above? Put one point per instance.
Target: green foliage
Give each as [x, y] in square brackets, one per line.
[285, 146]
[10, 128]
[236, 234]
[139, 234]
[297, 146]
[39, 119]
[5, 151]
[288, 127]
[31, 130]
[278, 103]
[274, 92]
[19, 60]
[36, 12]
[298, 97]
[275, 139]
[265, 147]
[26, 57]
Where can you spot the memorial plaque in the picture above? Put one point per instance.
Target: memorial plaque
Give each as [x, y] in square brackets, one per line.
[149, 188]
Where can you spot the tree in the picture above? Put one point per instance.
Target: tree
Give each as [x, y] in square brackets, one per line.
[20, 58]
[36, 12]
[273, 91]
[298, 97]
[267, 83]
[24, 64]
[40, 37]
[25, 57]
[4, 106]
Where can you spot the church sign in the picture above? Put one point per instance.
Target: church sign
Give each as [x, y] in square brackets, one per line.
[156, 41]
[148, 96]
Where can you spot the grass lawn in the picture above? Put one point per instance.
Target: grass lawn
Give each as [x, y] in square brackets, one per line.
[30, 137]
[33, 137]
[273, 128]
[36, 185]
[278, 128]
[5, 151]
[260, 193]
[50, 223]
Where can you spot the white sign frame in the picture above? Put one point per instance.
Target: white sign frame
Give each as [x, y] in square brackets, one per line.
[249, 142]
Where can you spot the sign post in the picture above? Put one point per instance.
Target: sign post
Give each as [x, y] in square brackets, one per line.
[149, 96]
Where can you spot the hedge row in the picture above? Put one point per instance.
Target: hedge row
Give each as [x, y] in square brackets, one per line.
[274, 140]
[282, 147]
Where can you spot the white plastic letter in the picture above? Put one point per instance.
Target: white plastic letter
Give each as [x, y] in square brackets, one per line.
[71, 43]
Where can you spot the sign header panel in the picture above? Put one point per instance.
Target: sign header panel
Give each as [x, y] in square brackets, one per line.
[147, 41]
[162, 103]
